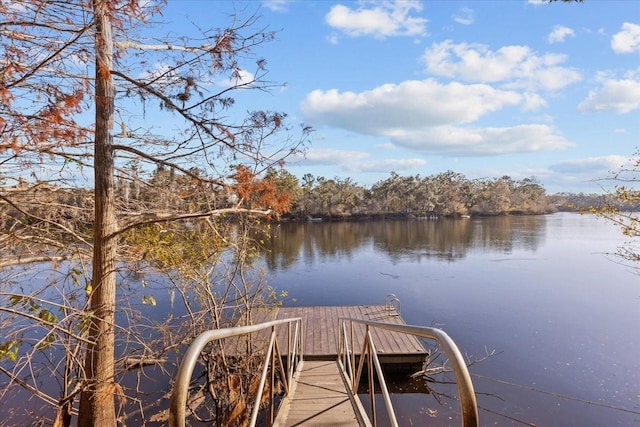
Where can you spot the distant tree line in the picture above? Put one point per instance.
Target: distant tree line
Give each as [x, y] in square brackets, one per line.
[447, 194]
[57, 211]
[581, 202]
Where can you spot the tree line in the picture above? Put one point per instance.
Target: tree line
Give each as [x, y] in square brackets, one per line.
[281, 195]
[447, 194]
[165, 192]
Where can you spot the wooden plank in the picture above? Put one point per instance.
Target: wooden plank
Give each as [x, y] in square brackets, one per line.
[320, 325]
[331, 325]
[317, 336]
[308, 332]
[400, 352]
[319, 398]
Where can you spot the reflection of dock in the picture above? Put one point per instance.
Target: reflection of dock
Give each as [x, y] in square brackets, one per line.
[397, 351]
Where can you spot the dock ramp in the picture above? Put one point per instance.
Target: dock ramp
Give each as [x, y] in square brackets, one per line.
[319, 356]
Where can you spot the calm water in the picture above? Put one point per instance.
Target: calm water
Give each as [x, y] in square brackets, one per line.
[563, 316]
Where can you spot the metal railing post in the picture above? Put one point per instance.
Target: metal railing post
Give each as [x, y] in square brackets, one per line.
[289, 349]
[273, 378]
[466, 392]
[179, 394]
[354, 386]
[372, 394]
[383, 384]
[392, 302]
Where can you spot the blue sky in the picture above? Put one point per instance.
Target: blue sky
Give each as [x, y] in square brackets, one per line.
[484, 88]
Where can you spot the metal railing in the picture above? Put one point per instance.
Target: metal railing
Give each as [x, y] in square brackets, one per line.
[273, 357]
[392, 305]
[347, 363]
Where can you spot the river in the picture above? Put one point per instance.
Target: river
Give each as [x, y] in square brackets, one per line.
[561, 315]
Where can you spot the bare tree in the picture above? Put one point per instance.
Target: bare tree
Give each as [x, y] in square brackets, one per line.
[62, 62]
[621, 207]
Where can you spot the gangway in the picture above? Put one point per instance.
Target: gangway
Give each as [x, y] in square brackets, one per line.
[323, 391]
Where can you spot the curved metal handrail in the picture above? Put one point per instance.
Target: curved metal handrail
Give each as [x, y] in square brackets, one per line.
[346, 356]
[392, 302]
[177, 404]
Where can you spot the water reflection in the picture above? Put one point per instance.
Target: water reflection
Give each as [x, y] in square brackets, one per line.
[314, 242]
[401, 240]
[538, 290]
[506, 234]
[417, 240]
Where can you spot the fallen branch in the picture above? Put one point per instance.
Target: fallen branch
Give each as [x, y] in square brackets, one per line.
[138, 362]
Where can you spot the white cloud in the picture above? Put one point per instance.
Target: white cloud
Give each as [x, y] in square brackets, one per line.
[622, 96]
[592, 166]
[516, 171]
[513, 66]
[533, 101]
[627, 40]
[161, 73]
[358, 161]
[276, 5]
[386, 146]
[462, 141]
[426, 116]
[15, 7]
[411, 104]
[243, 77]
[329, 156]
[385, 19]
[387, 165]
[333, 38]
[166, 74]
[559, 34]
[464, 16]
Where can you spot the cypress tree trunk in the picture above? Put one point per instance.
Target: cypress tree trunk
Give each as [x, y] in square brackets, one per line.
[97, 406]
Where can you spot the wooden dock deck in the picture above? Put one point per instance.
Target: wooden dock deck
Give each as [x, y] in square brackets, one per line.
[319, 398]
[319, 395]
[320, 326]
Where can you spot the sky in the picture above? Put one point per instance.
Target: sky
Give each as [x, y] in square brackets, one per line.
[486, 88]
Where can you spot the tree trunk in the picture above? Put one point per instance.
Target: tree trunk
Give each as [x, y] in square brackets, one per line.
[97, 406]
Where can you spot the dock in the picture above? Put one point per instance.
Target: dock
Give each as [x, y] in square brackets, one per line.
[321, 391]
[397, 352]
[320, 398]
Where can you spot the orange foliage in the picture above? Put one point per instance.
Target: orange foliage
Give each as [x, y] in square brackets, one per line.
[72, 101]
[5, 95]
[255, 193]
[10, 144]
